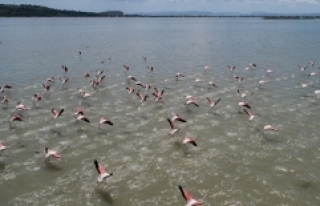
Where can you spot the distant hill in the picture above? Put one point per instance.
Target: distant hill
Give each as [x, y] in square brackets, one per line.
[220, 14]
[27, 10]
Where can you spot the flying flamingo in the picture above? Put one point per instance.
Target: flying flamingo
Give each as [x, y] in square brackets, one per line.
[14, 118]
[83, 118]
[3, 148]
[103, 175]
[251, 116]
[188, 198]
[211, 83]
[176, 117]
[21, 106]
[5, 99]
[56, 113]
[50, 79]
[5, 87]
[188, 140]
[50, 154]
[174, 129]
[104, 120]
[64, 68]
[130, 90]
[212, 102]
[150, 68]
[232, 68]
[142, 98]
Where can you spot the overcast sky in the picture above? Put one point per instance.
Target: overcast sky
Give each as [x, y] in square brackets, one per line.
[133, 6]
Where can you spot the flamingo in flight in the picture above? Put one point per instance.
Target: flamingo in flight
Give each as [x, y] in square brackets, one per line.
[188, 140]
[212, 102]
[232, 68]
[176, 117]
[83, 118]
[104, 120]
[5, 99]
[103, 175]
[15, 118]
[130, 90]
[251, 116]
[142, 98]
[64, 68]
[244, 104]
[150, 68]
[3, 148]
[5, 87]
[50, 79]
[190, 200]
[126, 67]
[21, 106]
[56, 113]
[49, 153]
[270, 127]
[211, 83]
[173, 127]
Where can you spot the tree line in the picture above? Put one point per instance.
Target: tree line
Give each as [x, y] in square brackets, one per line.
[27, 10]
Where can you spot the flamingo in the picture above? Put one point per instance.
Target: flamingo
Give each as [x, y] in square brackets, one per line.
[3, 148]
[150, 68]
[64, 68]
[130, 90]
[270, 127]
[15, 118]
[36, 97]
[251, 116]
[50, 79]
[5, 99]
[142, 98]
[104, 120]
[212, 84]
[244, 104]
[103, 175]
[188, 140]
[56, 113]
[188, 198]
[303, 68]
[232, 68]
[174, 129]
[5, 87]
[50, 153]
[212, 102]
[83, 118]
[21, 106]
[176, 117]
[131, 78]
[126, 67]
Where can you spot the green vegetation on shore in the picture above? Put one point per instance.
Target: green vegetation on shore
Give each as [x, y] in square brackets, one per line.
[27, 10]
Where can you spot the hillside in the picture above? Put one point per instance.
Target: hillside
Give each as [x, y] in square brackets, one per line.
[26, 10]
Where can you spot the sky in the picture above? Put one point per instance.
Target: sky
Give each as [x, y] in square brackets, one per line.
[136, 6]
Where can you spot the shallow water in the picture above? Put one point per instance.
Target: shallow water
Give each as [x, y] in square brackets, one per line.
[234, 162]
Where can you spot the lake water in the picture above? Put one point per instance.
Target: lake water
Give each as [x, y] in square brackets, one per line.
[235, 163]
